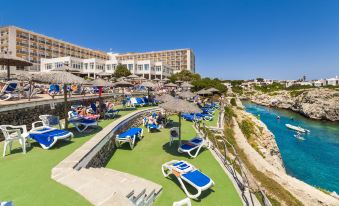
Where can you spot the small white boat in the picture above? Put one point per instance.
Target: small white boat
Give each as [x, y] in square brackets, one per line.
[298, 136]
[297, 128]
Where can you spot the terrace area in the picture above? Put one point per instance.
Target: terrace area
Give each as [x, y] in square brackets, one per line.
[26, 179]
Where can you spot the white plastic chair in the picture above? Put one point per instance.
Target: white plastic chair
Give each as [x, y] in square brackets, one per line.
[186, 201]
[174, 134]
[12, 133]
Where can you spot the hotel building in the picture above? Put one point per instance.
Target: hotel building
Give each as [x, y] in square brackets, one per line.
[179, 59]
[32, 46]
[96, 67]
[47, 52]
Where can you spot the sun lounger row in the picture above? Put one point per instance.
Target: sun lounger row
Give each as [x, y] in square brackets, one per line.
[10, 91]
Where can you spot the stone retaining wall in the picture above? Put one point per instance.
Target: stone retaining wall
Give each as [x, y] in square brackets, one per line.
[105, 149]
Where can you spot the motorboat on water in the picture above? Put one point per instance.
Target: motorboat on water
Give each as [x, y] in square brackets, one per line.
[297, 128]
[298, 136]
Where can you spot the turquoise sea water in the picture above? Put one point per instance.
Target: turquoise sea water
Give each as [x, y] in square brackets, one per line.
[314, 160]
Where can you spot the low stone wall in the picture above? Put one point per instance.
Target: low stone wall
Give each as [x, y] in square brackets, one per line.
[27, 113]
[103, 151]
[99, 149]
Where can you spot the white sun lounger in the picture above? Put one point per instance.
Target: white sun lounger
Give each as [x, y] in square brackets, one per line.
[193, 146]
[187, 173]
[129, 136]
[78, 122]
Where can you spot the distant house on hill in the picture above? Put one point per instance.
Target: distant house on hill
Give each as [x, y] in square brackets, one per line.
[319, 83]
[333, 81]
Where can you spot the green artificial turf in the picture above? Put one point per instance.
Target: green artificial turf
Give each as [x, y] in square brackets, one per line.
[25, 178]
[150, 153]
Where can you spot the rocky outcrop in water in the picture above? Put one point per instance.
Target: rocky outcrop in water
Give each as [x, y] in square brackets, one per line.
[322, 104]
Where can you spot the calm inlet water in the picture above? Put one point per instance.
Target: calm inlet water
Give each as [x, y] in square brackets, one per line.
[314, 160]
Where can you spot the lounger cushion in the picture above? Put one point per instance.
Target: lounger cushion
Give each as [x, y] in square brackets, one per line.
[82, 120]
[197, 178]
[131, 132]
[187, 146]
[46, 136]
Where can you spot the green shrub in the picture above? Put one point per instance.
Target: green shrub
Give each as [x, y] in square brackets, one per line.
[233, 102]
[296, 93]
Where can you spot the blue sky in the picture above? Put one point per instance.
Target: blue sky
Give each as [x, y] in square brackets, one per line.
[235, 39]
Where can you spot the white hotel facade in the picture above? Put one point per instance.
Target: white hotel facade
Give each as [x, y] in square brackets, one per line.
[46, 52]
[94, 67]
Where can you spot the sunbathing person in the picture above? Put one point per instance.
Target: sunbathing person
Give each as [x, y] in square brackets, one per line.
[82, 111]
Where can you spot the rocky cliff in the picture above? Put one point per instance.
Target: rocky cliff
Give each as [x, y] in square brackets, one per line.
[313, 103]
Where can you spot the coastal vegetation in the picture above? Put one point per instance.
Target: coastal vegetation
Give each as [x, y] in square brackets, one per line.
[198, 82]
[233, 102]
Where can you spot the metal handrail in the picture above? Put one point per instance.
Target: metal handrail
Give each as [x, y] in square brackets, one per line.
[231, 164]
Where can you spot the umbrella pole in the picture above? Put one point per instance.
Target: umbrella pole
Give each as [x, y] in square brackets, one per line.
[179, 129]
[65, 107]
[8, 72]
[30, 90]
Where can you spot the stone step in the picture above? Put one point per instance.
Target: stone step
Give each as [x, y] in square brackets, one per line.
[116, 200]
[134, 185]
[101, 185]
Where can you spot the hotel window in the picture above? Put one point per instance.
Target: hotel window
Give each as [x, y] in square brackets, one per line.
[146, 67]
[91, 65]
[158, 68]
[140, 67]
[108, 67]
[130, 67]
[85, 66]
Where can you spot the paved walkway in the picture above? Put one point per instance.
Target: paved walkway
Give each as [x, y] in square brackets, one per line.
[102, 186]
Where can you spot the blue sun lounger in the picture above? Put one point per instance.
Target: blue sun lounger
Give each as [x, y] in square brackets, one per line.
[48, 136]
[78, 121]
[191, 118]
[193, 146]
[152, 127]
[187, 173]
[8, 91]
[203, 116]
[129, 136]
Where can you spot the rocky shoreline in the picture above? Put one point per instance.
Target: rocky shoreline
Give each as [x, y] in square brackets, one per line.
[265, 140]
[320, 104]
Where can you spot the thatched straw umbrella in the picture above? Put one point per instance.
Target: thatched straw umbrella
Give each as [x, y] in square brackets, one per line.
[164, 97]
[104, 74]
[156, 79]
[166, 79]
[180, 106]
[186, 85]
[213, 90]
[186, 94]
[170, 85]
[101, 83]
[11, 60]
[204, 92]
[148, 85]
[64, 78]
[123, 83]
[133, 76]
[25, 76]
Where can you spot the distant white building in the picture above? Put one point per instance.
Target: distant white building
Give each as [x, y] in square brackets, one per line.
[93, 67]
[333, 81]
[319, 83]
[228, 85]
